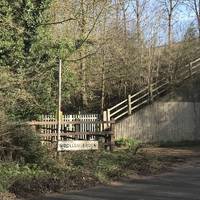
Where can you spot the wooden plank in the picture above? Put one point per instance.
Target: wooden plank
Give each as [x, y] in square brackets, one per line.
[153, 84]
[67, 122]
[121, 115]
[160, 92]
[108, 117]
[78, 133]
[119, 104]
[117, 111]
[146, 101]
[196, 71]
[197, 60]
[147, 94]
[160, 86]
[159, 81]
[195, 66]
[136, 94]
[129, 104]
[85, 117]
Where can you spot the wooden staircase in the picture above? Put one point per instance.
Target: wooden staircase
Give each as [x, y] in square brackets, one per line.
[149, 94]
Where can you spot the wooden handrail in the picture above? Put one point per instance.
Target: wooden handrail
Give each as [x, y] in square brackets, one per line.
[156, 88]
[119, 104]
[119, 116]
[120, 109]
[136, 94]
[198, 59]
[136, 100]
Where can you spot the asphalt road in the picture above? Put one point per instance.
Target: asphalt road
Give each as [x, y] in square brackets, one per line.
[183, 183]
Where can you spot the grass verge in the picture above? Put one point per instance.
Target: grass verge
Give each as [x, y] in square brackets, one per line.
[76, 170]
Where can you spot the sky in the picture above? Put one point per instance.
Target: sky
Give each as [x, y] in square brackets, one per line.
[183, 18]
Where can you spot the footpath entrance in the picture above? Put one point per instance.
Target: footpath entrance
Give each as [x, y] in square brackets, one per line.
[78, 132]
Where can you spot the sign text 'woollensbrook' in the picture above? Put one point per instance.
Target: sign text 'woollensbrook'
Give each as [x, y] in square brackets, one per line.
[77, 145]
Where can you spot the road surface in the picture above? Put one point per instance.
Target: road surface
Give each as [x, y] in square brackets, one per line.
[181, 184]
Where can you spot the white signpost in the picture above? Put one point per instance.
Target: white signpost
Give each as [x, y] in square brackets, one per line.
[77, 145]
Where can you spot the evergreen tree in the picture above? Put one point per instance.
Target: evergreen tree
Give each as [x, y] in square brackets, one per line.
[29, 60]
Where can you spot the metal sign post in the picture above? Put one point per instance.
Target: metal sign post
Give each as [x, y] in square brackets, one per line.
[59, 103]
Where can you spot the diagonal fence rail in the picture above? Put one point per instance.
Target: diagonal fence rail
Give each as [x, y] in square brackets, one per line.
[149, 94]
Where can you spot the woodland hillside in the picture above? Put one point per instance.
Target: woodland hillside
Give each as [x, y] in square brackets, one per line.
[108, 48]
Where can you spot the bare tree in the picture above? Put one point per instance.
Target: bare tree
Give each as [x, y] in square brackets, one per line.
[139, 8]
[169, 7]
[194, 5]
[114, 56]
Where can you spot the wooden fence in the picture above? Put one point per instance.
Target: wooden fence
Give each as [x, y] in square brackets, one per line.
[51, 128]
[150, 93]
[77, 134]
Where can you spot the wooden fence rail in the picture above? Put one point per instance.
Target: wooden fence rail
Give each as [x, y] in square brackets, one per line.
[100, 132]
[50, 126]
[150, 93]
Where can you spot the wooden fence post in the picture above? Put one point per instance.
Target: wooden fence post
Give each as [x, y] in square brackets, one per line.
[129, 104]
[108, 118]
[112, 137]
[150, 93]
[104, 126]
[190, 69]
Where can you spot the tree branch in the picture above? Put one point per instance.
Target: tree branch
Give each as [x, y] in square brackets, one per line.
[59, 22]
[83, 57]
[92, 28]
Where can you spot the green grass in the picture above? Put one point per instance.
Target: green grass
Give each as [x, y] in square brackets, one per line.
[128, 143]
[10, 172]
[75, 170]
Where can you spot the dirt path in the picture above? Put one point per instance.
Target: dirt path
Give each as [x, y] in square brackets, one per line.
[183, 182]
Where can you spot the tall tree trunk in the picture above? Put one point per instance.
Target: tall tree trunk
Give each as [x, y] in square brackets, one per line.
[103, 66]
[103, 85]
[199, 26]
[82, 61]
[170, 10]
[170, 30]
[124, 22]
[138, 20]
[197, 11]
[199, 18]
[117, 15]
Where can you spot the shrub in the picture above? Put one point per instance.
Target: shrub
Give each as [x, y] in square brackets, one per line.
[131, 144]
[20, 143]
[28, 144]
[10, 172]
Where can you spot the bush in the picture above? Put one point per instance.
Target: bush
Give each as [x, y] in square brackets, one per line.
[20, 143]
[28, 144]
[10, 172]
[58, 181]
[131, 144]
